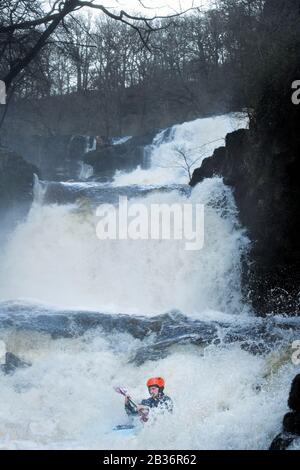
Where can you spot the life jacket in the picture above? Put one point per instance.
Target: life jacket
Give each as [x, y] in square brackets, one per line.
[162, 402]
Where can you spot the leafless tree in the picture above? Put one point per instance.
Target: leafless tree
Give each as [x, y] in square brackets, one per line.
[186, 159]
[19, 16]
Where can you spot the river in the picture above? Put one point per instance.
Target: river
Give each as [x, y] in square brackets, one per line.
[89, 314]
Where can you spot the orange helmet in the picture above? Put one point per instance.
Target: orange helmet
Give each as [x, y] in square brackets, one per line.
[156, 381]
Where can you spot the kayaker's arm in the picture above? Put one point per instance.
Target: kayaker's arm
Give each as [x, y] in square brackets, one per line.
[137, 410]
[130, 408]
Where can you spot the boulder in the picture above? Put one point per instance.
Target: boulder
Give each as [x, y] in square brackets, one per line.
[12, 363]
[16, 179]
[127, 156]
[262, 167]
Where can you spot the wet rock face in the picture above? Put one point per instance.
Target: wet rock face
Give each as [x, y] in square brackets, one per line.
[291, 420]
[56, 156]
[127, 156]
[16, 179]
[12, 363]
[294, 396]
[159, 334]
[16, 190]
[263, 168]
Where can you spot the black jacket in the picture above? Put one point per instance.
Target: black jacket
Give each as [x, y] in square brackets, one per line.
[162, 402]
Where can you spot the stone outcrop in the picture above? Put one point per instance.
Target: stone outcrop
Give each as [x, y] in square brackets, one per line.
[126, 157]
[56, 156]
[262, 166]
[16, 179]
[12, 363]
[16, 189]
[158, 335]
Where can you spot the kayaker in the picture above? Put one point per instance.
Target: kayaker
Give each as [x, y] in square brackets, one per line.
[157, 399]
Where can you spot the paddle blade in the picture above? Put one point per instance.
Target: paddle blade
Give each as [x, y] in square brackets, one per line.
[121, 390]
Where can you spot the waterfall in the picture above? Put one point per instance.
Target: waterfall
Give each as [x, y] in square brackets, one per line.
[39, 190]
[229, 386]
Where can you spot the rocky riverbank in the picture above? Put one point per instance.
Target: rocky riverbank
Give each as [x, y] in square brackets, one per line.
[261, 164]
[16, 179]
[125, 156]
[16, 189]
[159, 334]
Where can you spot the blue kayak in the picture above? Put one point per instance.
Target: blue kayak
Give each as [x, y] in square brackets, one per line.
[125, 429]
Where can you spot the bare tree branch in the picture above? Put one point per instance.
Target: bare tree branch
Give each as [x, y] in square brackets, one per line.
[59, 11]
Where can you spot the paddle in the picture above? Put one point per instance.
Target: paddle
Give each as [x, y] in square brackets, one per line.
[123, 391]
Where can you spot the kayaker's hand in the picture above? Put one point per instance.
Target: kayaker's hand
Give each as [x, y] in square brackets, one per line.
[143, 412]
[142, 409]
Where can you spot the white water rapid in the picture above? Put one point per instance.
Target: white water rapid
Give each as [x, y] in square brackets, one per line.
[225, 395]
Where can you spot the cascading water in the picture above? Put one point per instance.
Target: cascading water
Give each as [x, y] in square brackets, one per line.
[194, 141]
[73, 268]
[228, 396]
[85, 171]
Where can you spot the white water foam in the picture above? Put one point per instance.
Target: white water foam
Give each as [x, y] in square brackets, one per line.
[55, 257]
[194, 140]
[224, 397]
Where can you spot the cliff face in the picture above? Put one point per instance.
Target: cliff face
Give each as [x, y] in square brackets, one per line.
[126, 156]
[262, 166]
[16, 178]
[56, 156]
[16, 188]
